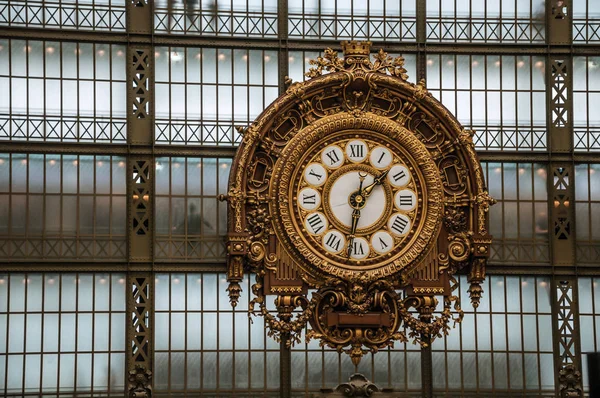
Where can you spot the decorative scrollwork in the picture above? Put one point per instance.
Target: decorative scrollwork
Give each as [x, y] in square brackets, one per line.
[140, 385]
[356, 314]
[257, 252]
[357, 386]
[329, 62]
[287, 326]
[428, 328]
[570, 382]
[357, 58]
[455, 219]
[459, 247]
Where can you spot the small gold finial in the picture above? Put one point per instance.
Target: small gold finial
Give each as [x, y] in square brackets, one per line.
[355, 48]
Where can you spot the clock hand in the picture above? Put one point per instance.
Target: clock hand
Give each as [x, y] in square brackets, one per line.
[356, 205]
[378, 181]
[355, 218]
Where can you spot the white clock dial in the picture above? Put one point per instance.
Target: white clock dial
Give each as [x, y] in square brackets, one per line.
[309, 199]
[399, 224]
[316, 223]
[341, 190]
[360, 249]
[356, 151]
[380, 157]
[399, 176]
[332, 157]
[405, 200]
[315, 174]
[382, 242]
[334, 241]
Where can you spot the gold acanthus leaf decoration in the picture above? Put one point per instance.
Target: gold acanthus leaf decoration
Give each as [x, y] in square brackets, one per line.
[330, 63]
[484, 200]
[384, 63]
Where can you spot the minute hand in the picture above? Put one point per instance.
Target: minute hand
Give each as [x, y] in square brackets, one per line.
[378, 181]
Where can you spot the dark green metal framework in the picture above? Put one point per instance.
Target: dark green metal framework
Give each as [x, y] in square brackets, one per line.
[141, 37]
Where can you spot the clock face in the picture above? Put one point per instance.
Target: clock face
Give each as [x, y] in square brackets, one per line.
[352, 194]
[357, 199]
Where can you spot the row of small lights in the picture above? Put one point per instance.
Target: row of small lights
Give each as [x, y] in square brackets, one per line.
[78, 51]
[176, 56]
[159, 165]
[475, 63]
[540, 172]
[51, 281]
[52, 162]
[100, 163]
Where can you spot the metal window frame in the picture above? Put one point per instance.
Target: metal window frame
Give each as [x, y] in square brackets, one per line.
[141, 264]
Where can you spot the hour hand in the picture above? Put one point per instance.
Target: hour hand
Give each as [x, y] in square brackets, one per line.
[355, 218]
[377, 181]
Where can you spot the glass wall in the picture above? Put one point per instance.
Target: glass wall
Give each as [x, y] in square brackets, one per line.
[62, 333]
[214, 65]
[62, 207]
[505, 21]
[505, 345]
[203, 345]
[62, 91]
[191, 222]
[502, 98]
[202, 94]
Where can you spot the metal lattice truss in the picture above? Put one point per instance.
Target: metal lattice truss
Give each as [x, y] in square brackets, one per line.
[53, 14]
[481, 30]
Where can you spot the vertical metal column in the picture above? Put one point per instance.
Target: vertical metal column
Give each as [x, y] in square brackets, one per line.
[282, 33]
[426, 369]
[285, 352]
[426, 357]
[566, 342]
[561, 195]
[559, 76]
[140, 191]
[421, 40]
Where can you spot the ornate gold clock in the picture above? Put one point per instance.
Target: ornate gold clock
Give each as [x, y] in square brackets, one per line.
[355, 197]
[362, 186]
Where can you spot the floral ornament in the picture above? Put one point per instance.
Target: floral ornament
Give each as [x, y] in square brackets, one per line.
[386, 63]
[330, 63]
[140, 385]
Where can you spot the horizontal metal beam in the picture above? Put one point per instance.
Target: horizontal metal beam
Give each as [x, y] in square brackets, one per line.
[229, 152]
[162, 39]
[577, 157]
[115, 149]
[51, 266]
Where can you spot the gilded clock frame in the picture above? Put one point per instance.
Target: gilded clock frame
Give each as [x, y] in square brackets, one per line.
[422, 236]
[357, 311]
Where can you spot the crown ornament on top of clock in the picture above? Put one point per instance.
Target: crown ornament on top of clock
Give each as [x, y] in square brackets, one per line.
[357, 59]
[296, 200]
